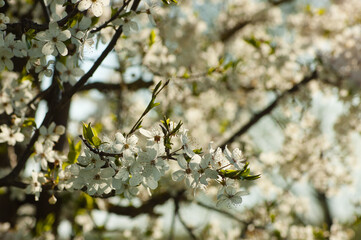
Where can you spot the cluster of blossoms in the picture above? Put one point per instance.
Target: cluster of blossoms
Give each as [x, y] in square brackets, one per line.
[40, 47]
[15, 96]
[122, 166]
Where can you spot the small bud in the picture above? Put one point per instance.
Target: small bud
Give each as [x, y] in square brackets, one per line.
[52, 200]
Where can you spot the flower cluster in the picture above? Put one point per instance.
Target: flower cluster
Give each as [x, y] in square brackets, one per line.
[14, 98]
[123, 165]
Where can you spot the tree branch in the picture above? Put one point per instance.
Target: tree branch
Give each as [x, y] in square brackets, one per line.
[146, 208]
[321, 196]
[267, 110]
[176, 211]
[26, 24]
[45, 10]
[228, 33]
[105, 87]
[105, 24]
[228, 214]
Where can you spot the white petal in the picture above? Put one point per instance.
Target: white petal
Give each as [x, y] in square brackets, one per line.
[107, 172]
[182, 162]
[61, 48]
[84, 5]
[152, 183]
[178, 175]
[97, 9]
[48, 48]
[146, 133]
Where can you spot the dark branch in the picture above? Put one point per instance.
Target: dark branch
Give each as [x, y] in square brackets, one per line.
[105, 87]
[267, 110]
[45, 10]
[188, 228]
[228, 214]
[323, 201]
[227, 34]
[112, 18]
[27, 24]
[146, 208]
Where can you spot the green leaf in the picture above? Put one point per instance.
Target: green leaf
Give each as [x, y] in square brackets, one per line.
[211, 70]
[96, 141]
[74, 150]
[113, 11]
[155, 104]
[29, 122]
[252, 177]
[198, 151]
[154, 94]
[151, 38]
[89, 133]
[253, 41]
[27, 77]
[185, 75]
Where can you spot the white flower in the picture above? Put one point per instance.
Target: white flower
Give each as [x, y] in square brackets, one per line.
[150, 7]
[218, 160]
[3, 20]
[96, 6]
[125, 144]
[36, 49]
[188, 171]
[154, 139]
[41, 67]
[10, 135]
[68, 178]
[69, 72]
[2, 3]
[185, 143]
[81, 35]
[5, 103]
[54, 38]
[44, 153]
[204, 172]
[97, 180]
[130, 191]
[230, 197]
[5, 59]
[235, 158]
[18, 47]
[35, 186]
[51, 133]
[154, 167]
[127, 23]
[90, 160]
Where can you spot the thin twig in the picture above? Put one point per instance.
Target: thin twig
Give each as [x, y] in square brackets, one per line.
[189, 229]
[172, 226]
[228, 214]
[104, 87]
[45, 10]
[258, 116]
[97, 151]
[105, 24]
